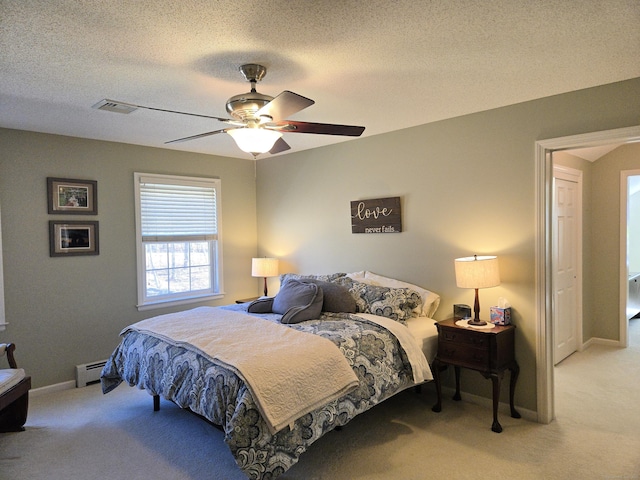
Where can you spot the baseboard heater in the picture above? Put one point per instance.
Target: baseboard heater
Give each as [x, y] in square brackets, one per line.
[89, 373]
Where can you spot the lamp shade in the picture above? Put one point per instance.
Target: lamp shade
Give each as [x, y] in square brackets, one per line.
[254, 140]
[264, 267]
[477, 272]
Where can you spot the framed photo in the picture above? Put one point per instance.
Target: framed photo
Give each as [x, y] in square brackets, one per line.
[67, 238]
[72, 196]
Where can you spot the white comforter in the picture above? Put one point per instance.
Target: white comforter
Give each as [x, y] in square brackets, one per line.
[415, 355]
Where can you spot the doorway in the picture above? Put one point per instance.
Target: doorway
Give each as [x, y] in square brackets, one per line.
[630, 210]
[544, 253]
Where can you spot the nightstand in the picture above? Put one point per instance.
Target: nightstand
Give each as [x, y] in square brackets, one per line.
[245, 300]
[488, 351]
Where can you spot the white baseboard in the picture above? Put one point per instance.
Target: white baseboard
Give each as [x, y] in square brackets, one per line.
[600, 341]
[36, 392]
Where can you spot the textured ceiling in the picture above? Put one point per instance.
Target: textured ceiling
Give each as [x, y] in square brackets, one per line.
[593, 153]
[383, 64]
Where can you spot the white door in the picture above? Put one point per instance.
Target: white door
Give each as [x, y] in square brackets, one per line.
[567, 238]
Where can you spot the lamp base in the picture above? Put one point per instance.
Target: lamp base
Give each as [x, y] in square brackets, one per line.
[476, 322]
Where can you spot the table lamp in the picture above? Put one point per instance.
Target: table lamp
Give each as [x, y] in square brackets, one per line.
[264, 267]
[477, 272]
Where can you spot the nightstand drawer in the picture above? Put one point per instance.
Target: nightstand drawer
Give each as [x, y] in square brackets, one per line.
[463, 355]
[465, 337]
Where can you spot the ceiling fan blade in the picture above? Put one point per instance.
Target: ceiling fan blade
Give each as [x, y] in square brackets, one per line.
[290, 126]
[200, 135]
[284, 105]
[279, 146]
[169, 111]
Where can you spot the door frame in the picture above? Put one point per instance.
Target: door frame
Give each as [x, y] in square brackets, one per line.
[543, 281]
[624, 267]
[575, 176]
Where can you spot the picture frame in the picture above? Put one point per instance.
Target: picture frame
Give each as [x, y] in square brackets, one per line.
[71, 238]
[71, 196]
[376, 215]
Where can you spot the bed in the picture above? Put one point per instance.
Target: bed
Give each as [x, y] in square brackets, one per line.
[267, 389]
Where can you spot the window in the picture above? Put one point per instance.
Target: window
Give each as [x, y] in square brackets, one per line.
[178, 239]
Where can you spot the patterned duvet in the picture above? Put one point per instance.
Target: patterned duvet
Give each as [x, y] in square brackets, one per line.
[192, 381]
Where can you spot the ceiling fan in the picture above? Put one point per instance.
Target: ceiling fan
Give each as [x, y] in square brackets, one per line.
[257, 120]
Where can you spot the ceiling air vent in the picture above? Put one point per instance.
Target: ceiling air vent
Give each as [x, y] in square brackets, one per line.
[117, 107]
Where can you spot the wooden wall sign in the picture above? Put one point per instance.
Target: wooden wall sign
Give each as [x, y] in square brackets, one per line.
[379, 215]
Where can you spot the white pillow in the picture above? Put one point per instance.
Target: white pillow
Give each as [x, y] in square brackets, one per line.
[430, 300]
[357, 276]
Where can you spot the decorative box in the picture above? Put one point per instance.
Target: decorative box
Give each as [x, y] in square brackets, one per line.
[500, 316]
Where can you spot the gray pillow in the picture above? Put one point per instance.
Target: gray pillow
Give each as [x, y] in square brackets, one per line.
[335, 298]
[298, 301]
[261, 305]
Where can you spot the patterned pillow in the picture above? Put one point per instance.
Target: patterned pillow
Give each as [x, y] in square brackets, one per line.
[330, 277]
[430, 300]
[394, 303]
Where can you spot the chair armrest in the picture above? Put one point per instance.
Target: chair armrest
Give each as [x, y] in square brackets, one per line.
[8, 348]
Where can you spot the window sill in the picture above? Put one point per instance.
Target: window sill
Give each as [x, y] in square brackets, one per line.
[174, 303]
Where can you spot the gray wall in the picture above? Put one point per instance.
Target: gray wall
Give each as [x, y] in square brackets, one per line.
[467, 187]
[67, 311]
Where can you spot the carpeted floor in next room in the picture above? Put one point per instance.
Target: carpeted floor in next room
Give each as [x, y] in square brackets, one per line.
[81, 434]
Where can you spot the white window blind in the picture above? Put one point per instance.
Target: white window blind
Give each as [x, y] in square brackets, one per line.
[170, 212]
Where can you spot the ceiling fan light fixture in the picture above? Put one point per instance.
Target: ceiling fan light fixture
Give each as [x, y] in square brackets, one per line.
[254, 140]
[258, 121]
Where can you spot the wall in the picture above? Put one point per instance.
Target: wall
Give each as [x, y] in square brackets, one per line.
[67, 311]
[2, 317]
[467, 186]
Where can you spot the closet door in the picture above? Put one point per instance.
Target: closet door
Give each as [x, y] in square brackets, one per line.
[566, 246]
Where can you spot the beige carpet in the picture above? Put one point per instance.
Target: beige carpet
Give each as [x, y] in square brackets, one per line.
[81, 434]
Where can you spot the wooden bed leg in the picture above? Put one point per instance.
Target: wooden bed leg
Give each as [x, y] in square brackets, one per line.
[156, 403]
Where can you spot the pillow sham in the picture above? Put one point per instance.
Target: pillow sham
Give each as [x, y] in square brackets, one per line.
[298, 301]
[329, 277]
[430, 300]
[394, 303]
[335, 298]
